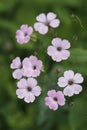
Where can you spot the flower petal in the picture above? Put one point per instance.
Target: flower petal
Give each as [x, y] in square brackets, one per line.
[51, 104]
[16, 63]
[56, 57]
[50, 16]
[56, 42]
[17, 74]
[55, 23]
[51, 93]
[77, 88]
[29, 97]
[78, 78]
[41, 18]
[51, 50]
[61, 99]
[30, 30]
[24, 27]
[41, 28]
[62, 82]
[68, 91]
[69, 74]
[31, 82]
[21, 93]
[36, 91]
[65, 44]
[65, 54]
[22, 83]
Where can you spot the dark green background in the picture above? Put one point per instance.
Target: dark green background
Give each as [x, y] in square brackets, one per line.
[15, 114]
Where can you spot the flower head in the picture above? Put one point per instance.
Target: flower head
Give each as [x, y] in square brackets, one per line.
[71, 83]
[24, 33]
[16, 64]
[28, 89]
[58, 50]
[32, 66]
[54, 99]
[45, 21]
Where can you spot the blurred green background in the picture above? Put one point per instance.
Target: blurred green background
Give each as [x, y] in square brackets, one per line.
[15, 114]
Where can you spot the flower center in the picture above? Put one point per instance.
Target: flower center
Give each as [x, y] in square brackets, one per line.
[29, 89]
[70, 82]
[59, 48]
[25, 34]
[34, 67]
[55, 99]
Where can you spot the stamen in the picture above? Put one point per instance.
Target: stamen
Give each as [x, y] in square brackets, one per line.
[29, 89]
[59, 48]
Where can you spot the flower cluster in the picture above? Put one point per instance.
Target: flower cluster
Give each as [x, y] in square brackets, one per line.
[30, 67]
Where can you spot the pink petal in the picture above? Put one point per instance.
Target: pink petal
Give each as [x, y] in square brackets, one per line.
[24, 28]
[36, 73]
[36, 91]
[51, 50]
[51, 93]
[21, 93]
[48, 100]
[29, 98]
[27, 71]
[17, 74]
[31, 82]
[69, 74]
[51, 104]
[55, 23]
[41, 18]
[56, 42]
[78, 78]
[61, 99]
[39, 64]
[33, 59]
[50, 16]
[19, 33]
[56, 57]
[26, 39]
[62, 82]
[41, 28]
[65, 44]
[77, 88]
[26, 62]
[20, 40]
[30, 30]
[22, 83]
[16, 63]
[68, 91]
[65, 54]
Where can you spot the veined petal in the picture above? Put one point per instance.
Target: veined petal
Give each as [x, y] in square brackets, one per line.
[68, 91]
[69, 74]
[77, 88]
[41, 18]
[55, 23]
[62, 82]
[78, 78]
[29, 97]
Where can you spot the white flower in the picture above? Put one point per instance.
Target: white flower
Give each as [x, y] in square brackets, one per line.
[71, 83]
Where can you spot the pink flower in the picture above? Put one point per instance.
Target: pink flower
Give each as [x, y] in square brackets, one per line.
[16, 64]
[45, 21]
[71, 83]
[23, 34]
[28, 89]
[58, 50]
[32, 66]
[54, 99]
